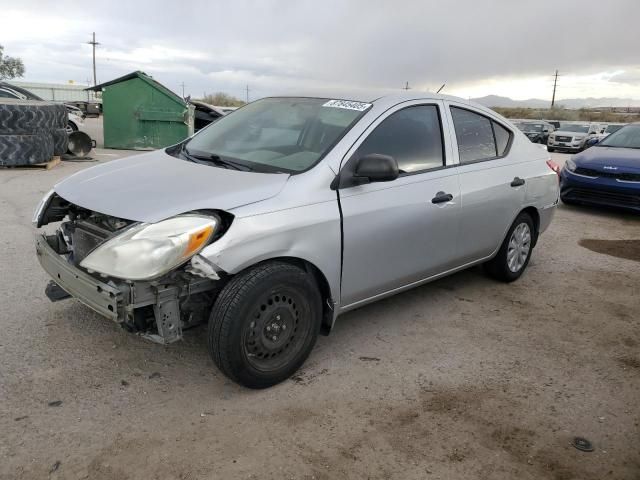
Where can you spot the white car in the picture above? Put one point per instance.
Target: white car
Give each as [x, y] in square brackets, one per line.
[75, 122]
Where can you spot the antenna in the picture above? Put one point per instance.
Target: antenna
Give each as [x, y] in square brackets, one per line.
[440, 89]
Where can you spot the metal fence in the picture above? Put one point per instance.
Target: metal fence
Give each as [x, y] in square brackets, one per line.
[60, 92]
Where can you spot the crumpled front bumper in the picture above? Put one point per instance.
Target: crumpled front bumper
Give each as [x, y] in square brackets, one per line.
[102, 297]
[119, 300]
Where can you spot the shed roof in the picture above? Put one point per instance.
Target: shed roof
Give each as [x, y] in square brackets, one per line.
[142, 76]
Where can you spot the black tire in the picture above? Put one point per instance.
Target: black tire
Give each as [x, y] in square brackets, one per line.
[25, 117]
[499, 266]
[60, 141]
[550, 149]
[16, 150]
[250, 307]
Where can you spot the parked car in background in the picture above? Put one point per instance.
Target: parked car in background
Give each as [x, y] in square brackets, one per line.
[76, 116]
[204, 114]
[555, 123]
[607, 174]
[608, 130]
[536, 131]
[276, 219]
[571, 137]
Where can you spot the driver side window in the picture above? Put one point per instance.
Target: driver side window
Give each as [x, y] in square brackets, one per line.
[413, 136]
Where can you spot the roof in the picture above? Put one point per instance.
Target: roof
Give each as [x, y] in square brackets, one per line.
[142, 76]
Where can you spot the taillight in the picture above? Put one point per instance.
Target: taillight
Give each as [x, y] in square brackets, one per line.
[554, 166]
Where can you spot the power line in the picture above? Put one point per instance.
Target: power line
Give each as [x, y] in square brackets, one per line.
[93, 43]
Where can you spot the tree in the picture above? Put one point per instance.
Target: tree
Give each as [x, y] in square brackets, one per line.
[221, 99]
[10, 67]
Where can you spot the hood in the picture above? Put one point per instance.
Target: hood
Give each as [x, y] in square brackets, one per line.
[623, 159]
[153, 186]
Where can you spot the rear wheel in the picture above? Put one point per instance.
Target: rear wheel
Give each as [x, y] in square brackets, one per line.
[551, 149]
[265, 323]
[513, 257]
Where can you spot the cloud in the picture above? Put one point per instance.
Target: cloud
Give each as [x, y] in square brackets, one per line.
[374, 43]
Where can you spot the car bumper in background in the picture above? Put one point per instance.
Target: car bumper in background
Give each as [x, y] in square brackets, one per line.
[606, 192]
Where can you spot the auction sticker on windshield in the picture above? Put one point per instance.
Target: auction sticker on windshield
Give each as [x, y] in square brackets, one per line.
[359, 106]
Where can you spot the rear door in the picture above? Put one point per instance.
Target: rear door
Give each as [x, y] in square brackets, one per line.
[492, 181]
[395, 233]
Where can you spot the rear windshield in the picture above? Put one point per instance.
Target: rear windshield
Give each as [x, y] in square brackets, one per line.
[278, 134]
[627, 137]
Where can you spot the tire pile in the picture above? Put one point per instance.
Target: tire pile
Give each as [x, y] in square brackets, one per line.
[31, 132]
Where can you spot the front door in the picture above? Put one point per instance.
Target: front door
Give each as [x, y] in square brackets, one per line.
[400, 232]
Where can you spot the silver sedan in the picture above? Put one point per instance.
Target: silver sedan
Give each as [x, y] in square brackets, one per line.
[281, 216]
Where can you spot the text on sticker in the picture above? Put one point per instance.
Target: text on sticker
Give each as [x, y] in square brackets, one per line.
[359, 106]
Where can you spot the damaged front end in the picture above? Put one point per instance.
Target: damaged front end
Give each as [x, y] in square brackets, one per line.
[159, 307]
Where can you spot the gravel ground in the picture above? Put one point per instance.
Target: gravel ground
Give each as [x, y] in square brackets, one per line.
[464, 378]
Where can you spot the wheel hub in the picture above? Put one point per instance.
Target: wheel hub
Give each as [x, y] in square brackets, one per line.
[273, 331]
[519, 246]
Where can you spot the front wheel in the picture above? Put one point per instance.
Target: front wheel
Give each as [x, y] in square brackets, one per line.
[514, 254]
[550, 149]
[265, 323]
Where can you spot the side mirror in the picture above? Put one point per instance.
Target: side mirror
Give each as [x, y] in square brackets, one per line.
[377, 168]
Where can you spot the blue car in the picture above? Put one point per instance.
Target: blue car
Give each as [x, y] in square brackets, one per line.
[607, 174]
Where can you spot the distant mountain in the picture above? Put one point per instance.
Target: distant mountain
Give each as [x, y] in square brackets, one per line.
[573, 103]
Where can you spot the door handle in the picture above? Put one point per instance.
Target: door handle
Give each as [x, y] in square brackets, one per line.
[517, 182]
[442, 197]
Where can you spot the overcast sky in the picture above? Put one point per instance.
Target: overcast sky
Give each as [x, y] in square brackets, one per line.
[478, 47]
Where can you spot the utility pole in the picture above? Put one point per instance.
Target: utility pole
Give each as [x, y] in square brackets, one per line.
[406, 86]
[247, 93]
[93, 43]
[555, 84]
[182, 85]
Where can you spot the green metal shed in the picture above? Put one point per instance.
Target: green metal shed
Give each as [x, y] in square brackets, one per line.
[142, 114]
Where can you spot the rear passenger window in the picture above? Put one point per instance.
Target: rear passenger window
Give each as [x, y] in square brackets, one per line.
[479, 138]
[502, 138]
[412, 136]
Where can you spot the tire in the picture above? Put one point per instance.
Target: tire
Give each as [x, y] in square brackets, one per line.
[507, 265]
[550, 149]
[60, 141]
[22, 117]
[16, 150]
[264, 324]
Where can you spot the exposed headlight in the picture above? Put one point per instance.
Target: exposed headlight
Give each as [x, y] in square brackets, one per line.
[578, 138]
[42, 205]
[570, 165]
[149, 250]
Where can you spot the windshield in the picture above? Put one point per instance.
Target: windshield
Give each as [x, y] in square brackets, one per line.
[278, 134]
[613, 128]
[570, 127]
[626, 137]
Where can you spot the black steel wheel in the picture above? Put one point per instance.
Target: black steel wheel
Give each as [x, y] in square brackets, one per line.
[265, 323]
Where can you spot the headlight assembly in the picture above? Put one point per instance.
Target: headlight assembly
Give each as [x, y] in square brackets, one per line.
[149, 250]
[570, 165]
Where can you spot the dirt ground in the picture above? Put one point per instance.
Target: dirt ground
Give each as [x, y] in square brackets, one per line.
[464, 378]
